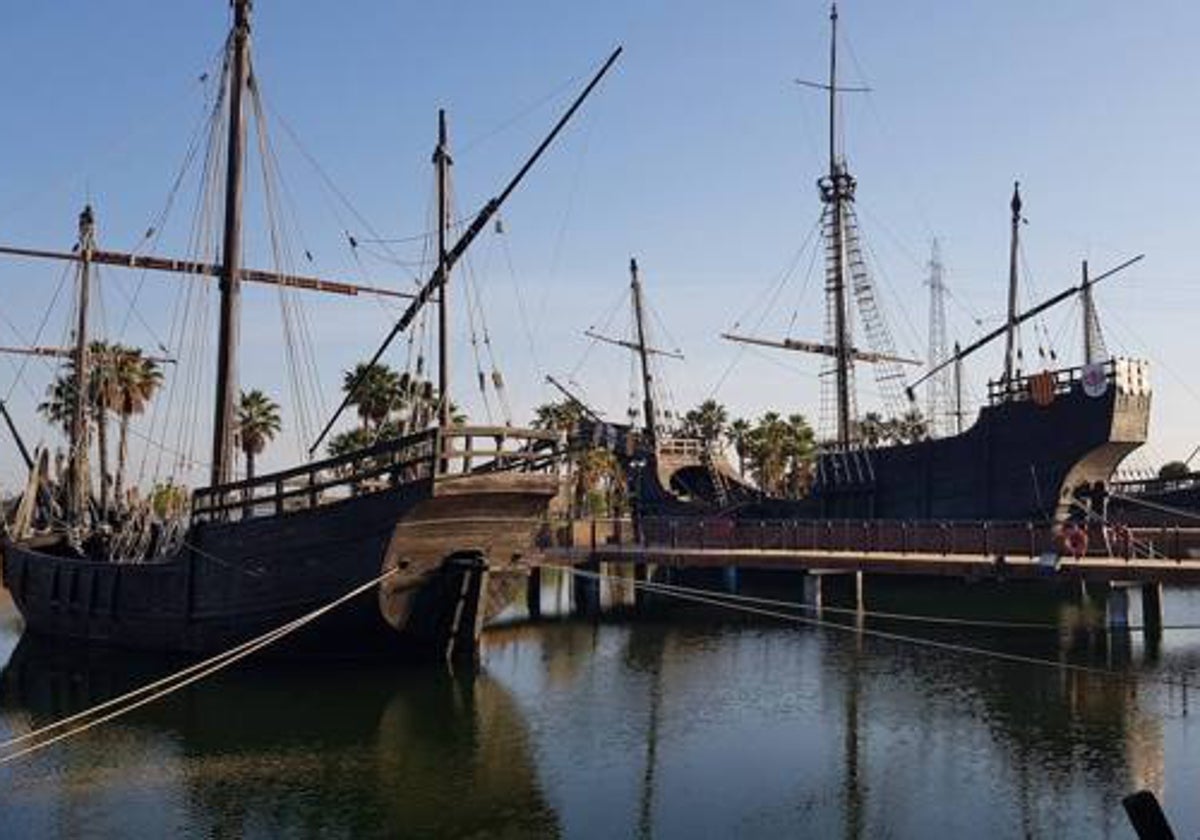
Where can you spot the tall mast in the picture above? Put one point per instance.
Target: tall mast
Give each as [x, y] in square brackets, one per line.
[1011, 330]
[78, 464]
[836, 189]
[958, 389]
[434, 283]
[443, 162]
[231, 269]
[635, 286]
[1089, 319]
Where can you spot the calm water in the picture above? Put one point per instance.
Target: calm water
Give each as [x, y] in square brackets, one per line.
[691, 723]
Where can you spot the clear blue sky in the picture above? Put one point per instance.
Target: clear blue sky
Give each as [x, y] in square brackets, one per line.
[698, 155]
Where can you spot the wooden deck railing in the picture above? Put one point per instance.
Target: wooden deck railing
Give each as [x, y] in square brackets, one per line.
[422, 456]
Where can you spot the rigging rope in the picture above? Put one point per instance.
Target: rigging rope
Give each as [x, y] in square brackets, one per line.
[917, 618]
[175, 682]
[37, 336]
[708, 598]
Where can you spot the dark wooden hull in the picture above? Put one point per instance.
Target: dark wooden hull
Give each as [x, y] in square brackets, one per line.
[1156, 504]
[1020, 461]
[233, 581]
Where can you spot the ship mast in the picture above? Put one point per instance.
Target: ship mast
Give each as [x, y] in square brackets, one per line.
[959, 355]
[435, 283]
[1093, 340]
[843, 260]
[1011, 324]
[443, 162]
[230, 280]
[80, 491]
[635, 288]
[836, 189]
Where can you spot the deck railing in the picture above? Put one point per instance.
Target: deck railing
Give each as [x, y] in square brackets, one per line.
[1127, 376]
[422, 456]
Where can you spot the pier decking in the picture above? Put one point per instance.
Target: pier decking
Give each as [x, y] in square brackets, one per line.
[958, 549]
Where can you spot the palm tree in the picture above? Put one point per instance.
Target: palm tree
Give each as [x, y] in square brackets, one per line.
[779, 451]
[872, 428]
[599, 482]
[768, 451]
[380, 390]
[706, 421]
[801, 450]
[257, 424]
[134, 379]
[564, 416]
[912, 427]
[59, 406]
[349, 441]
[1173, 470]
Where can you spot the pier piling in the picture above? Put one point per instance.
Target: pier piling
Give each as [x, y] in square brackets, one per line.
[1117, 608]
[812, 591]
[1152, 617]
[533, 592]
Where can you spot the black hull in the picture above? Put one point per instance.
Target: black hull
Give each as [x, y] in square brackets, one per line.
[1020, 461]
[237, 580]
[231, 582]
[1157, 504]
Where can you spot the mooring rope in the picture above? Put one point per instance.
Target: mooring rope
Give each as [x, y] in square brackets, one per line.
[174, 682]
[918, 618]
[703, 596]
[1174, 511]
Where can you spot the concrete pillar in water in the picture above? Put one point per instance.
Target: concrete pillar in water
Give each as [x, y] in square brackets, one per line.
[731, 579]
[1152, 616]
[587, 589]
[860, 602]
[1117, 608]
[640, 594]
[812, 592]
[533, 592]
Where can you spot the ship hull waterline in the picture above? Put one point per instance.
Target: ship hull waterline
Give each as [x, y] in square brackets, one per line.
[232, 582]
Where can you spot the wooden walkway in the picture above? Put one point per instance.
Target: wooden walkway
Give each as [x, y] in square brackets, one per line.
[970, 566]
[963, 550]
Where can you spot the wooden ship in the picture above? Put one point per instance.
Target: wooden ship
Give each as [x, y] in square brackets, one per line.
[1038, 441]
[664, 468]
[450, 510]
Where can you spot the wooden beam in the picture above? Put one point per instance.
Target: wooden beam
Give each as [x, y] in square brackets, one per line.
[66, 353]
[820, 349]
[629, 345]
[249, 275]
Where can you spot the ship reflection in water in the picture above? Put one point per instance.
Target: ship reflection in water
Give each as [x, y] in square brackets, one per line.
[679, 722]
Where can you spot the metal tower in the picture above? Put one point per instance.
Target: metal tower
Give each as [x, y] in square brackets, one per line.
[938, 389]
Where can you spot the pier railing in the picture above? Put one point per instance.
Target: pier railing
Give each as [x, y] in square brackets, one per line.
[876, 536]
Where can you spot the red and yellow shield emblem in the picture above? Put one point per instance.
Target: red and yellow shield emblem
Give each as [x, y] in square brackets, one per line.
[1041, 388]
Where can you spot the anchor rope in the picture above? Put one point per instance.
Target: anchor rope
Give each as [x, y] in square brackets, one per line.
[918, 618]
[1180, 512]
[174, 682]
[702, 596]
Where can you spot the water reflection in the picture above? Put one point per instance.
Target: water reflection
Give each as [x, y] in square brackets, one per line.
[660, 722]
[836, 734]
[272, 750]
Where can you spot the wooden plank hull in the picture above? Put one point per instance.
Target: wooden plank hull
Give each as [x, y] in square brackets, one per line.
[1019, 461]
[232, 581]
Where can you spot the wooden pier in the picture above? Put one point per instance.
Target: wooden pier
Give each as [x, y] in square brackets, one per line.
[1118, 559]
